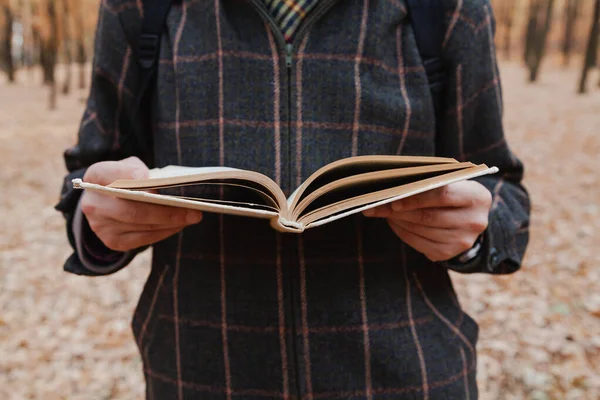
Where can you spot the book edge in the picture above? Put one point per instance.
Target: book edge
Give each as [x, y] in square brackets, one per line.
[160, 199]
[489, 171]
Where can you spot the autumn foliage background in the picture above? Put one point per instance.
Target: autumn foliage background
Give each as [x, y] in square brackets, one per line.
[66, 337]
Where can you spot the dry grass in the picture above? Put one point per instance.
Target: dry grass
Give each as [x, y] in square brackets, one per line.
[63, 336]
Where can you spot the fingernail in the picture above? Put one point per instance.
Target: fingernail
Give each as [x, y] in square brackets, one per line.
[369, 213]
[193, 217]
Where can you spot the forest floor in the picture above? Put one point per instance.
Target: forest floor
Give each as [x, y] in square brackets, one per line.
[66, 337]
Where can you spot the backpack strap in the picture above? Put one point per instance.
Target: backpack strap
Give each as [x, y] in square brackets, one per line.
[148, 51]
[428, 21]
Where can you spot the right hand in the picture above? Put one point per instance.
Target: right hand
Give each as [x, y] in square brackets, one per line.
[124, 225]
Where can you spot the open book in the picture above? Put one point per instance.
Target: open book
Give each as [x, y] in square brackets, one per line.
[337, 190]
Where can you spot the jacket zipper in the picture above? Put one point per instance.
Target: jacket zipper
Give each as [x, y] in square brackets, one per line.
[290, 257]
[289, 50]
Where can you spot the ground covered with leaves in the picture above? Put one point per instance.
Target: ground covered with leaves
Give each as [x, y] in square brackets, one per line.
[66, 337]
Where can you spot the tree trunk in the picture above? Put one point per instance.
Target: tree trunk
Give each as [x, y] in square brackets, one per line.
[49, 52]
[81, 60]
[508, 17]
[571, 15]
[7, 44]
[81, 56]
[37, 55]
[531, 30]
[592, 48]
[541, 35]
[66, 42]
[28, 40]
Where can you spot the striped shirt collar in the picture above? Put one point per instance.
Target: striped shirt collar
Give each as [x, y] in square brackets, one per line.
[289, 14]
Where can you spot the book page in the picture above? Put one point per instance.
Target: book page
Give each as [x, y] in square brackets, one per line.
[181, 202]
[352, 166]
[171, 171]
[360, 203]
[364, 183]
[177, 176]
[249, 193]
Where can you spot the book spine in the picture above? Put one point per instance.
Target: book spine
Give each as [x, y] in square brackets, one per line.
[283, 225]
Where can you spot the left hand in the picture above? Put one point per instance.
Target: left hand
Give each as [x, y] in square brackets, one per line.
[441, 223]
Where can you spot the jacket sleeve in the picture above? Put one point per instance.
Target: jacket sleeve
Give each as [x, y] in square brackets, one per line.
[473, 131]
[106, 125]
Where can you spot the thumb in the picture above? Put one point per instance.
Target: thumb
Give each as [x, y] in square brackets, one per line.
[135, 168]
[106, 172]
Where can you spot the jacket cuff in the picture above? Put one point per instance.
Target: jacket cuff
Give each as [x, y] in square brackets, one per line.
[94, 256]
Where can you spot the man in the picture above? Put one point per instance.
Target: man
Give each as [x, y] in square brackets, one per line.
[359, 309]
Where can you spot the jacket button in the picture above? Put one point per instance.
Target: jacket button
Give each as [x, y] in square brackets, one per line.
[494, 256]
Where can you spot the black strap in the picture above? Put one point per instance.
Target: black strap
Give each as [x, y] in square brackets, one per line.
[155, 16]
[428, 20]
[148, 51]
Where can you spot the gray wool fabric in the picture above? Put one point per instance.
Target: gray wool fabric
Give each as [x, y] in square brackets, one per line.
[233, 309]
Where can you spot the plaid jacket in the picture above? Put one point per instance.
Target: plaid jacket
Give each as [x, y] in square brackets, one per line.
[234, 310]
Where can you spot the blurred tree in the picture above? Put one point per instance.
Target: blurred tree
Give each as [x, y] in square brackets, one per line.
[508, 18]
[29, 45]
[48, 27]
[538, 26]
[7, 35]
[531, 29]
[591, 53]
[66, 42]
[571, 13]
[77, 8]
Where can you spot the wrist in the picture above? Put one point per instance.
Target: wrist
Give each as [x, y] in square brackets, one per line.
[470, 254]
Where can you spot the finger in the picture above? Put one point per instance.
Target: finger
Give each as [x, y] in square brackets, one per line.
[422, 245]
[123, 227]
[459, 194]
[434, 251]
[440, 217]
[149, 237]
[99, 206]
[438, 235]
[132, 240]
[105, 173]
[384, 211]
[454, 237]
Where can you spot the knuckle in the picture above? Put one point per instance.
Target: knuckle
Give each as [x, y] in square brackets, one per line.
[465, 243]
[471, 202]
[130, 214]
[445, 254]
[87, 206]
[486, 197]
[133, 160]
[478, 225]
[426, 216]
[431, 257]
[445, 195]
[95, 226]
[435, 256]
[112, 242]
[407, 203]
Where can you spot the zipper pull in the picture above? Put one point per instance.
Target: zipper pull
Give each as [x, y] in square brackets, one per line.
[288, 55]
